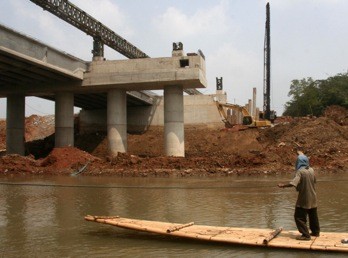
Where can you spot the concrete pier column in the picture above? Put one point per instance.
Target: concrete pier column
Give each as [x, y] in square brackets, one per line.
[15, 119]
[239, 118]
[64, 119]
[174, 142]
[117, 122]
[254, 114]
[250, 107]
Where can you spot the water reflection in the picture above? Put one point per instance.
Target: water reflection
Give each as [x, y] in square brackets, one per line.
[44, 216]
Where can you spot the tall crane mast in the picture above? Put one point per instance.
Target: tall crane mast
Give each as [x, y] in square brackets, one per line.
[100, 33]
[267, 67]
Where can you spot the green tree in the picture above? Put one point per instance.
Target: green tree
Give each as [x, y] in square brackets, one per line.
[334, 90]
[309, 97]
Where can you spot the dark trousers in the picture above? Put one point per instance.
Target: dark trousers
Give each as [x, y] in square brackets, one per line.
[301, 221]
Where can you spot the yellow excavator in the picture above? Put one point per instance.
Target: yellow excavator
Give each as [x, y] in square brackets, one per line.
[248, 120]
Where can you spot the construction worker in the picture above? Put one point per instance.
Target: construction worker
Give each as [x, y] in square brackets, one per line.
[306, 205]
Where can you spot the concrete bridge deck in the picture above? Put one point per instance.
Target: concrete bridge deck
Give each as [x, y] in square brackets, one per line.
[31, 68]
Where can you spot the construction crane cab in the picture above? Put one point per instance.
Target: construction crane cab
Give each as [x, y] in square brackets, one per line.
[272, 116]
[247, 119]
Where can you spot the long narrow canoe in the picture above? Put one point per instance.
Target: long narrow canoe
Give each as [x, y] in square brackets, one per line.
[328, 241]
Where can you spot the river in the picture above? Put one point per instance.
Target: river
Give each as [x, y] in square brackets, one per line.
[43, 216]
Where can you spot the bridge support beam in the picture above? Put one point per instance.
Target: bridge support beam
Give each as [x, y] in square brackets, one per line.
[64, 119]
[174, 142]
[15, 113]
[117, 122]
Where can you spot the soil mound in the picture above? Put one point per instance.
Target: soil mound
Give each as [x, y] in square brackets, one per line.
[38, 127]
[208, 151]
[66, 158]
[338, 114]
[2, 135]
[16, 164]
[324, 141]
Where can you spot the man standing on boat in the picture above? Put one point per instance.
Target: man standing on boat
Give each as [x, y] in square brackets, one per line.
[304, 182]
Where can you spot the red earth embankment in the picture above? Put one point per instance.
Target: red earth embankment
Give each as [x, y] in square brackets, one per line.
[208, 151]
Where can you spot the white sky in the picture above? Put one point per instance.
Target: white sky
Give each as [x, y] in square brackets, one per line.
[308, 38]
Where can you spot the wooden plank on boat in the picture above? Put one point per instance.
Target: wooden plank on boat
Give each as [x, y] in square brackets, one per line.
[272, 235]
[279, 238]
[172, 229]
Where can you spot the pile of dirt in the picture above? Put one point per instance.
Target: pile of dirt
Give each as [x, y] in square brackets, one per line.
[208, 151]
[338, 114]
[38, 127]
[16, 164]
[61, 159]
[2, 135]
[324, 141]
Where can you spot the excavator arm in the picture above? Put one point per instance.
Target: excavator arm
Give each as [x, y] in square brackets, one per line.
[241, 109]
[247, 119]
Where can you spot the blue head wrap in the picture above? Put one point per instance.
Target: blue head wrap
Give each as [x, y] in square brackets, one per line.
[302, 161]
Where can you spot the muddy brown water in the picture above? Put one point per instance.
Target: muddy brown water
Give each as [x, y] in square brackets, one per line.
[43, 216]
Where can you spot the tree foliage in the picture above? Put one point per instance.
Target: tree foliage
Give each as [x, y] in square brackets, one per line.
[311, 97]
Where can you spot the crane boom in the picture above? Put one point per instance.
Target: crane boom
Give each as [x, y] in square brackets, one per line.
[86, 23]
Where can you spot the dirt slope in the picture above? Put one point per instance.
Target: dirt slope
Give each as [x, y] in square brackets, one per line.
[209, 151]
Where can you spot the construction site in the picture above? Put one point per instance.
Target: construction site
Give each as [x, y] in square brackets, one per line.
[124, 129]
[139, 144]
[210, 151]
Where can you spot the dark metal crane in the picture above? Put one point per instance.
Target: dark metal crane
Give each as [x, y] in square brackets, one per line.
[267, 68]
[83, 21]
[100, 33]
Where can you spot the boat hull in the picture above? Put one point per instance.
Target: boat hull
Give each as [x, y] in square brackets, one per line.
[328, 241]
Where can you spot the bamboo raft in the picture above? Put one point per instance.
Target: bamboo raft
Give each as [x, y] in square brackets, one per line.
[328, 241]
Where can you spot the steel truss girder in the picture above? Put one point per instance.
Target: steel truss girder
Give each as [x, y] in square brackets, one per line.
[86, 23]
[100, 33]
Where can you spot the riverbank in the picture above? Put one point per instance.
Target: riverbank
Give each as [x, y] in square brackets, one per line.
[209, 151]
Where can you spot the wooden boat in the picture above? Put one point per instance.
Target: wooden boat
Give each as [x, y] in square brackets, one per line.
[279, 238]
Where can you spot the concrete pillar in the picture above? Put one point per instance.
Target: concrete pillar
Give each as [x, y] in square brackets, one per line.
[250, 107]
[15, 119]
[174, 143]
[254, 104]
[64, 119]
[239, 118]
[117, 122]
[246, 106]
[229, 115]
[234, 117]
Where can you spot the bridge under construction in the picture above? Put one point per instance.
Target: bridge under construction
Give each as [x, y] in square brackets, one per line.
[31, 68]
